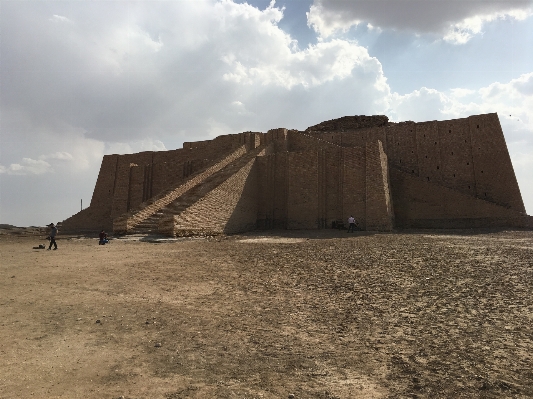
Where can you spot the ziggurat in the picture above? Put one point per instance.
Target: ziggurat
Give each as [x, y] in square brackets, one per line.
[436, 174]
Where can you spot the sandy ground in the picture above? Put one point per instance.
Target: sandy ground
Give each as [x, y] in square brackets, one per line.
[277, 315]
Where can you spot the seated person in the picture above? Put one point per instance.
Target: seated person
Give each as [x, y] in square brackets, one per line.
[103, 238]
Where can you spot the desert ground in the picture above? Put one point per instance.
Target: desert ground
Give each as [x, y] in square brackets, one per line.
[279, 314]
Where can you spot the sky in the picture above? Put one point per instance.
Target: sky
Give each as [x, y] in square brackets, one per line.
[79, 80]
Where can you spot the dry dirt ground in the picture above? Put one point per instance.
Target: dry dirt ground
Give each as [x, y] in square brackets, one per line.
[324, 314]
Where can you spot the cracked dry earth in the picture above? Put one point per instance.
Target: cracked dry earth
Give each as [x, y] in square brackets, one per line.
[320, 314]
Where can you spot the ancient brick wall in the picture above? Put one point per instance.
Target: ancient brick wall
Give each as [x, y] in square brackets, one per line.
[441, 172]
[354, 185]
[272, 176]
[331, 179]
[105, 184]
[419, 203]
[468, 155]
[136, 186]
[302, 206]
[494, 175]
[350, 123]
[276, 138]
[455, 150]
[124, 174]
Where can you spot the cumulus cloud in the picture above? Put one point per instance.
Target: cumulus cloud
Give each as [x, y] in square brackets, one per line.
[122, 77]
[455, 21]
[314, 66]
[27, 166]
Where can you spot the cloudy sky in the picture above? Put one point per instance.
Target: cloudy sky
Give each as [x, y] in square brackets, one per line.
[84, 79]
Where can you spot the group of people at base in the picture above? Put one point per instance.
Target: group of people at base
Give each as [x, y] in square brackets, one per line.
[352, 225]
[102, 237]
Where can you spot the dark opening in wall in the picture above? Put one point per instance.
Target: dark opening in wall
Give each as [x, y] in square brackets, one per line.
[412, 152]
[400, 161]
[411, 130]
[468, 163]
[449, 131]
[469, 187]
[437, 168]
[454, 175]
[465, 141]
[481, 171]
[413, 171]
[478, 126]
[424, 135]
[435, 143]
[426, 156]
[452, 152]
[427, 178]
[485, 194]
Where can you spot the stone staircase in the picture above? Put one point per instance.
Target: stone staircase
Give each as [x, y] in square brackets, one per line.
[145, 219]
[218, 212]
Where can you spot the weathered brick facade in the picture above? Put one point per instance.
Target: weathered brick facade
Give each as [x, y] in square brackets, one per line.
[438, 174]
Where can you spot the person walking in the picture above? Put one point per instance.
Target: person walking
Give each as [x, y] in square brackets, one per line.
[53, 233]
[351, 224]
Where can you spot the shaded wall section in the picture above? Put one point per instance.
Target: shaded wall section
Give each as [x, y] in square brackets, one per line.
[379, 212]
[272, 176]
[419, 203]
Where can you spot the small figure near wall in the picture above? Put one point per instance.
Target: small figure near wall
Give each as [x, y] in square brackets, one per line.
[351, 224]
[103, 238]
[52, 236]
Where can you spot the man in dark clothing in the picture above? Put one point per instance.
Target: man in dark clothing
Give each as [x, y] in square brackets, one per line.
[103, 238]
[53, 233]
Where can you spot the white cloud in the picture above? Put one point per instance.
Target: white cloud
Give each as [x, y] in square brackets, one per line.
[456, 21]
[27, 166]
[135, 146]
[60, 18]
[314, 66]
[460, 93]
[419, 105]
[462, 31]
[63, 156]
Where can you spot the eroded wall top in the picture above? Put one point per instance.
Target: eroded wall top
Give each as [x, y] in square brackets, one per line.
[350, 123]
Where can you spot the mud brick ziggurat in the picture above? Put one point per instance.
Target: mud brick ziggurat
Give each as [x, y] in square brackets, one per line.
[437, 174]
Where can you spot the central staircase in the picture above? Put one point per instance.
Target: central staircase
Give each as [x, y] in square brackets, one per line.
[145, 219]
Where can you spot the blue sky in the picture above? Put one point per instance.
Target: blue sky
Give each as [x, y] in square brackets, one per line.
[83, 79]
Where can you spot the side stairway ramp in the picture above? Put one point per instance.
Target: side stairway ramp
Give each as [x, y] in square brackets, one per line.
[145, 219]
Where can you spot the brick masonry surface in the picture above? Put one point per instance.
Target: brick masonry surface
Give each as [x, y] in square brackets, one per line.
[436, 174]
